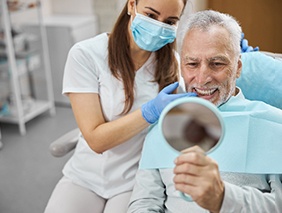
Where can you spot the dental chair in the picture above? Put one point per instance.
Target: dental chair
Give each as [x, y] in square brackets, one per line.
[65, 143]
[261, 79]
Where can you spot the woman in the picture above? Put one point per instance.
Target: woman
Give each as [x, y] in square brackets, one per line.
[110, 80]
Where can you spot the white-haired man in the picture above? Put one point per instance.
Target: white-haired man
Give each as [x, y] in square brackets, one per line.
[210, 63]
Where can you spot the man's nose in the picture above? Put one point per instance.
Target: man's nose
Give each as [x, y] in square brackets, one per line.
[203, 75]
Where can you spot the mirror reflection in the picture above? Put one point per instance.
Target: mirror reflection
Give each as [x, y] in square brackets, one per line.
[190, 123]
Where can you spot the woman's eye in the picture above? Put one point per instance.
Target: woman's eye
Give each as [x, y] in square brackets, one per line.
[170, 22]
[150, 15]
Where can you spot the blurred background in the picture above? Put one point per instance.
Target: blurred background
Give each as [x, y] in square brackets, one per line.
[35, 37]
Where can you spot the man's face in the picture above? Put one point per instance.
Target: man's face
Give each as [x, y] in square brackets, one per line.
[208, 64]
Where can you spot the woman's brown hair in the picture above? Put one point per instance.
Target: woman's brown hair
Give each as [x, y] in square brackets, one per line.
[121, 64]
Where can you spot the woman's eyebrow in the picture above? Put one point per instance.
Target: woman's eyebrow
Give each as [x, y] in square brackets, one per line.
[157, 12]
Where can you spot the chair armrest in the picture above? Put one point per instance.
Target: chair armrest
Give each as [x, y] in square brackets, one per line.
[1, 144]
[274, 55]
[65, 143]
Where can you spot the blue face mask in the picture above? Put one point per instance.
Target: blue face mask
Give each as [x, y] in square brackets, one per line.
[150, 34]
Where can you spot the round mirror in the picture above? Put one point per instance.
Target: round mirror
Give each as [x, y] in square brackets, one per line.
[192, 121]
[187, 122]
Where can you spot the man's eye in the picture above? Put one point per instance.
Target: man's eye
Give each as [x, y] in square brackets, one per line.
[192, 65]
[217, 64]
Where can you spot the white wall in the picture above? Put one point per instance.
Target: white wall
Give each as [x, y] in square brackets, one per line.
[196, 5]
[106, 10]
[120, 4]
[46, 6]
[192, 6]
[82, 7]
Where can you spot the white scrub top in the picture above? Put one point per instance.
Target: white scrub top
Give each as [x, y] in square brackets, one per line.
[87, 71]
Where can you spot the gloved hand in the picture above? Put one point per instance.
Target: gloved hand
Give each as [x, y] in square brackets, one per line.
[152, 109]
[245, 46]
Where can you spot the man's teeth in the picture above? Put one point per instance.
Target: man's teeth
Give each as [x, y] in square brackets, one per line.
[205, 92]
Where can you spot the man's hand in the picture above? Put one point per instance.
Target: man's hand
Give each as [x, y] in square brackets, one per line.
[197, 175]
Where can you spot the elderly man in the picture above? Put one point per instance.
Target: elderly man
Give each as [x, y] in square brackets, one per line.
[210, 63]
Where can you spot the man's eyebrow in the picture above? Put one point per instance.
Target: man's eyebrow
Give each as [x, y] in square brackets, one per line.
[157, 12]
[221, 58]
[190, 58]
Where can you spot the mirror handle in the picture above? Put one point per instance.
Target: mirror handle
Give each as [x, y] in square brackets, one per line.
[186, 197]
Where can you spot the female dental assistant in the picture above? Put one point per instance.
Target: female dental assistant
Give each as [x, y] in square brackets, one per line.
[118, 83]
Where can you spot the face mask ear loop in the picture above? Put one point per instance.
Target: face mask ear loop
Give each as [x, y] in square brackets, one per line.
[135, 8]
[135, 11]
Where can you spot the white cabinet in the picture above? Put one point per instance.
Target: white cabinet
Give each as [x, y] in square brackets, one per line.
[63, 31]
[24, 65]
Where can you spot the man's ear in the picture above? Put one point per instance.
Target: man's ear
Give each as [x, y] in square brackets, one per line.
[239, 67]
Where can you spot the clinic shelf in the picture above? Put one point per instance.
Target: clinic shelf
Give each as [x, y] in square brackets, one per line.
[36, 108]
[26, 66]
[21, 61]
[18, 6]
[25, 54]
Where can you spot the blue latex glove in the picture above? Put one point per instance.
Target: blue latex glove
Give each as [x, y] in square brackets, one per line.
[151, 110]
[245, 46]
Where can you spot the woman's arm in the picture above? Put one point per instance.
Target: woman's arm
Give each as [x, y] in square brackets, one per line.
[99, 134]
[102, 135]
